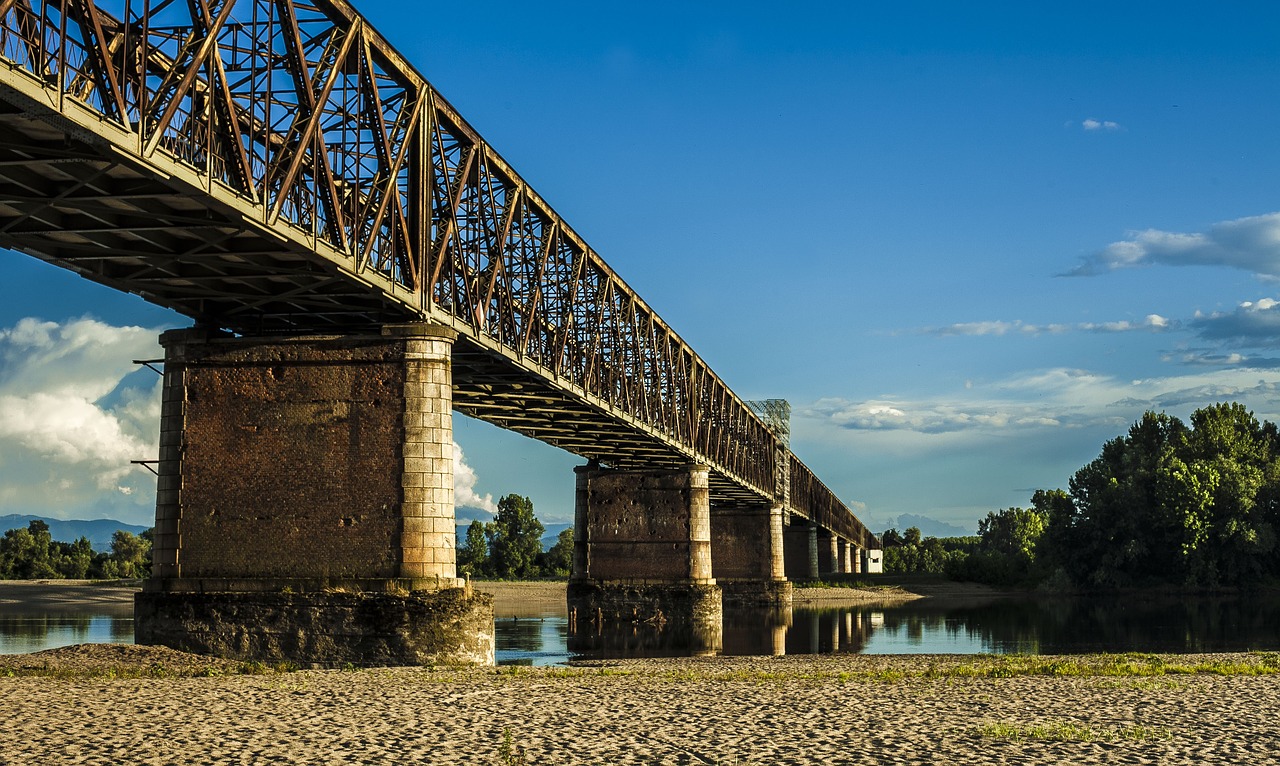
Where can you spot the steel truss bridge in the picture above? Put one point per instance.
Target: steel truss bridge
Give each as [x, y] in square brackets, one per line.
[275, 166]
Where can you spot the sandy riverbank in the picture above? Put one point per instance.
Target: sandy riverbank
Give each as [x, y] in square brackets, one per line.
[842, 709]
[77, 705]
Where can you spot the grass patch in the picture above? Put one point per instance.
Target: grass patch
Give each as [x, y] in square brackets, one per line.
[155, 670]
[1132, 665]
[851, 584]
[1066, 731]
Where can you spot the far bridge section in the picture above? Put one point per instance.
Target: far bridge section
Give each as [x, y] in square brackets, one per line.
[358, 262]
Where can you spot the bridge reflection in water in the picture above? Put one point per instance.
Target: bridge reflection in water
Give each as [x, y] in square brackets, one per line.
[1167, 623]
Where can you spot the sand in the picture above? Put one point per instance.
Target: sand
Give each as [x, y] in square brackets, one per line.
[829, 709]
[790, 710]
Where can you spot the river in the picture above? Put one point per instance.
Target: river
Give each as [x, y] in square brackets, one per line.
[540, 635]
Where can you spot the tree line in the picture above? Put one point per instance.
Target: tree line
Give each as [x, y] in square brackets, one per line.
[32, 554]
[510, 546]
[1168, 503]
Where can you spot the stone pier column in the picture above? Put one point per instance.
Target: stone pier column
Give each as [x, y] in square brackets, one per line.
[855, 555]
[828, 553]
[305, 502]
[747, 555]
[642, 552]
[847, 554]
[814, 561]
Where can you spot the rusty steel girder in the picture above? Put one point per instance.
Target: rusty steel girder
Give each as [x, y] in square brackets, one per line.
[275, 166]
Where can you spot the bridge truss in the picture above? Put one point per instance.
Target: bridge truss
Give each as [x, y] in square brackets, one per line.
[275, 166]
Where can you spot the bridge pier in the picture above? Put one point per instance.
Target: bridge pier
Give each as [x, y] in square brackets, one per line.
[847, 553]
[747, 557]
[800, 548]
[642, 555]
[828, 553]
[304, 509]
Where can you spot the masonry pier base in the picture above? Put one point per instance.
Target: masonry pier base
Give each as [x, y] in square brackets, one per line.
[445, 627]
[621, 619]
[642, 561]
[304, 506]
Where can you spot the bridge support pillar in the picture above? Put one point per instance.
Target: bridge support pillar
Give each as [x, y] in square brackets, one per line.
[642, 556]
[828, 553]
[305, 502]
[847, 553]
[747, 556]
[800, 548]
[855, 555]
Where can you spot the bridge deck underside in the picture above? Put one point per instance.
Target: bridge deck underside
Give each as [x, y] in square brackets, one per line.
[69, 203]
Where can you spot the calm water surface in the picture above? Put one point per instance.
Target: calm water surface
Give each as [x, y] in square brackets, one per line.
[1173, 624]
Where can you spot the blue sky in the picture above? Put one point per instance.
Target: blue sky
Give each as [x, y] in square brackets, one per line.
[968, 242]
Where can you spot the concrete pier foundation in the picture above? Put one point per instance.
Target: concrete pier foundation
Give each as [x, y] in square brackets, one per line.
[642, 553]
[298, 478]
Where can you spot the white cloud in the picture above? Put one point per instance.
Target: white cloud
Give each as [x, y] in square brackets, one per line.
[1253, 324]
[1100, 126]
[1250, 244]
[1150, 323]
[464, 485]
[70, 422]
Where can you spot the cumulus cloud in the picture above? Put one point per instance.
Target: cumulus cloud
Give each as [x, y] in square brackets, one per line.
[1250, 244]
[464, 485]
[1252, 324]
[1150, 323]
[1091, 125]
[72, 416]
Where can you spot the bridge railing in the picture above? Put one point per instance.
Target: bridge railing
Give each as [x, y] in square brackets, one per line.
[303, 115]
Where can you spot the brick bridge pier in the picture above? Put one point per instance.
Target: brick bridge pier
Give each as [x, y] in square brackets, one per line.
[305, 502]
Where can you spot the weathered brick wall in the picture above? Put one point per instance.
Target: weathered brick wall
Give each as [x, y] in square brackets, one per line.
[292, 459]
[743, 545]
[646, 525]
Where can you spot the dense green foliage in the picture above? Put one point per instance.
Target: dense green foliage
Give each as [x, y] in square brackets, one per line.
[31, 553]
[1195, 505]
[1165, 504]
[510, 546]
[907, 552]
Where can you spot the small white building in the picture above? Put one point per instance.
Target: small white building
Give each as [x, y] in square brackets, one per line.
[873, 561]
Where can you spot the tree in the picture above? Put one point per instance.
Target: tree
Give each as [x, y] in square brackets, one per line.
[891, 538]
[130, 554]
[473, 554]
[1121, 533]
[558, 560]
[515, 538]
[1168, 503]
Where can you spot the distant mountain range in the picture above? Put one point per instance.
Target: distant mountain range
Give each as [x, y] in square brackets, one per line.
[99, 531]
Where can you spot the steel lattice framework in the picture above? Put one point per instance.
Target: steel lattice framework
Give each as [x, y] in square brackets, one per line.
[275, 166]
